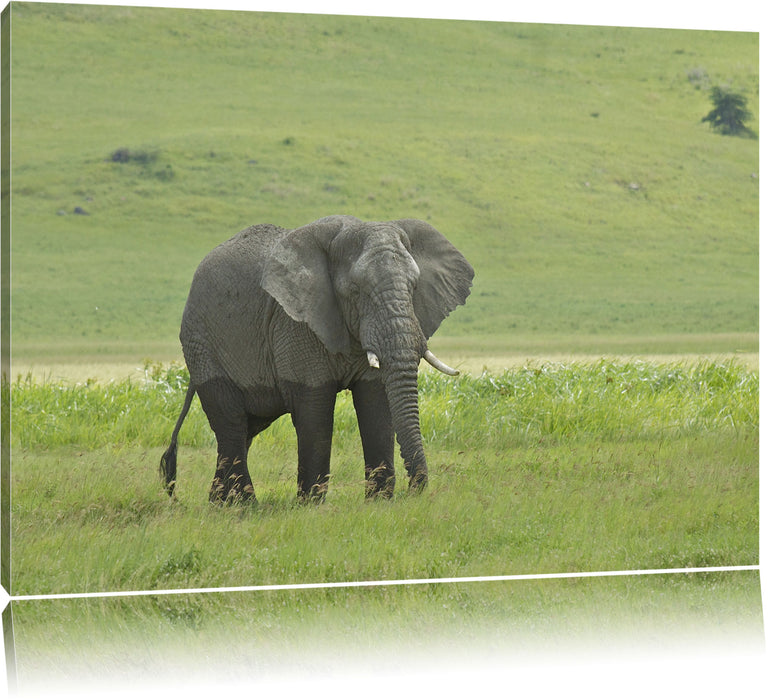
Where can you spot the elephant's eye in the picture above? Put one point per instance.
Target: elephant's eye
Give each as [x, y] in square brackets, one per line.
[345, 285]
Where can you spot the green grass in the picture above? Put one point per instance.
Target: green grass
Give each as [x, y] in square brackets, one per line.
[606, 400]
[550, 468]
[569, 164]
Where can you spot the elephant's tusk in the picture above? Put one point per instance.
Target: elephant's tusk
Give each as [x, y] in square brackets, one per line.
[437, 364]
[372, 359]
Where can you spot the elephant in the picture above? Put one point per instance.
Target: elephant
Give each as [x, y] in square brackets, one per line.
[279, 321]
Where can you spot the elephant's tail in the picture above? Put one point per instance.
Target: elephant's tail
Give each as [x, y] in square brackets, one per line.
[168, 467]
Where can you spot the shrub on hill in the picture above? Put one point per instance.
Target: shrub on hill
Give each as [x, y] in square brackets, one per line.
[729, 113]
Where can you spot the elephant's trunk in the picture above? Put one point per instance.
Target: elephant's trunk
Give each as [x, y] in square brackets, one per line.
[401, 388]
[394, 344]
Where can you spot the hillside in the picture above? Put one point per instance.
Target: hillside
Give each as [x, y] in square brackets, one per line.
[569, 164]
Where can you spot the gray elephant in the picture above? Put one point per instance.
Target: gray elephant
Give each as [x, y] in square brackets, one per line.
[279, 321]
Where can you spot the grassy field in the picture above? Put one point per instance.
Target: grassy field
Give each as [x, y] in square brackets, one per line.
[607, 416]
[546, 469]
[569, 164]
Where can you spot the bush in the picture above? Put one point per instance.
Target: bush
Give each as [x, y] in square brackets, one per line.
[124, 155]
[729, 113]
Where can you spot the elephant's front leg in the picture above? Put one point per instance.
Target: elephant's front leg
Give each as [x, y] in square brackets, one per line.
[313, 418]
[377, 436]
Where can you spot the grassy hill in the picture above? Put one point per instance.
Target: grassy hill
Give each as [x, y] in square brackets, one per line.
[568, 163]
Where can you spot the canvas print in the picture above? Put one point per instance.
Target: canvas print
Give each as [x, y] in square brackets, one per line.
[375, 335]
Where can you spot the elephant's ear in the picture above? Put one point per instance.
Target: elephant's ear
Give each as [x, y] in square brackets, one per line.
[445, 275]
[296, 274]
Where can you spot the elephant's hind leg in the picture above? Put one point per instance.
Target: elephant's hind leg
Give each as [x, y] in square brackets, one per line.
[222, 403]
[232, 482]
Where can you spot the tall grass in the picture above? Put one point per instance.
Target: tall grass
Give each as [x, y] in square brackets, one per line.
[91, 414]
[605, 400]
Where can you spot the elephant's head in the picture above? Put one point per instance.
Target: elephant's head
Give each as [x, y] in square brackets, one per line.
[377, 288]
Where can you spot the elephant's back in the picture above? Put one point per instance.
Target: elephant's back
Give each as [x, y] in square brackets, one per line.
[232, 270]
[254, 243]
[227, 311]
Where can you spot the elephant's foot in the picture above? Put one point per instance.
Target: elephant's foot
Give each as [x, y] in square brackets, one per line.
[418, 480]
[231, 489]
[315, 494]
[379, 482]
[232, 494]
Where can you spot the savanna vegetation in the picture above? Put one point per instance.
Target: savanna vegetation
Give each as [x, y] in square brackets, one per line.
[604, 219]
[545, 469]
